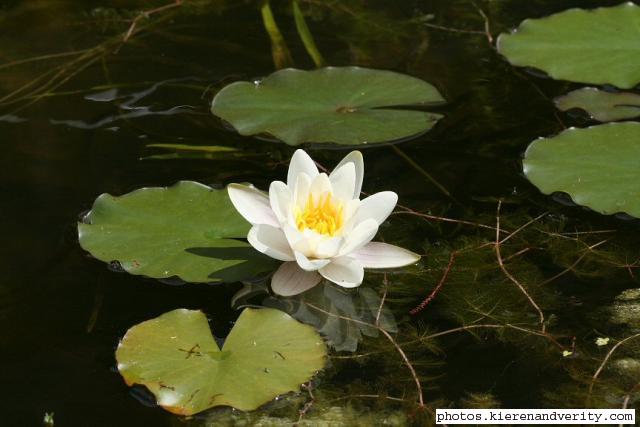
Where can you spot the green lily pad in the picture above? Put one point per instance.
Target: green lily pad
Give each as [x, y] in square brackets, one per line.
[267, 353]
[590, 46]
[341, 105]
[188, 231]
[600, 105]
[596, 166]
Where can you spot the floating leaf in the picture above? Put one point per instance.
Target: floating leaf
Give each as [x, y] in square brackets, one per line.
[590, 46]
[342, 105]
[596, 166]
[188, 230]
[601, 105]
[267, 353]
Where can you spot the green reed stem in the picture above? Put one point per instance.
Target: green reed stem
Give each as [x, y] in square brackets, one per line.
[279, 49]
[306, 36]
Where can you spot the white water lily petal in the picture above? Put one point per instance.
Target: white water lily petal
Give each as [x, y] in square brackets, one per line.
[319, 186]
[301, 191]
[383, 255]
[270, 241]
[359, 236]
[300, 163]
[297, 240]
[280, 200]
[377, 206]
[252, 204]
[318, 243]
[344, 271]
[310, 264]
[350, 209]
[328, 248]
[291, 280]
[343, 181]
[355, 157]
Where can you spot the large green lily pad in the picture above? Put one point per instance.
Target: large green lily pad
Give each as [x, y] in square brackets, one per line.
[591, 46]
[267, 353]
[342, 105]
[596, 166]
[189, 231]
[601, 105]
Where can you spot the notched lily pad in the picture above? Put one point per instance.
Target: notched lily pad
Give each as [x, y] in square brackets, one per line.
[189, 231]
[596, 46]
[341, 105]
[596, 166]
[601, 105]
[266, 354]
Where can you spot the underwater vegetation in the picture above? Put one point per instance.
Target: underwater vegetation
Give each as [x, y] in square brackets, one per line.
[487, 259]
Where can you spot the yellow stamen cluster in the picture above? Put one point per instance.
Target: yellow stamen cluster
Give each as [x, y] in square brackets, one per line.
[324, 217]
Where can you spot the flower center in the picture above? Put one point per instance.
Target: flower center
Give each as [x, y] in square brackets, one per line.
[324, 217]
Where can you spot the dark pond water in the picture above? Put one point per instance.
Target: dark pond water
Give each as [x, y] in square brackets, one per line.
[76, 128]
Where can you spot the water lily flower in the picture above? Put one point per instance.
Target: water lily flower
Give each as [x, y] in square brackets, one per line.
[317, 224]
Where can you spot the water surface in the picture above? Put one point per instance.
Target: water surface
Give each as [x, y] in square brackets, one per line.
[64, 312]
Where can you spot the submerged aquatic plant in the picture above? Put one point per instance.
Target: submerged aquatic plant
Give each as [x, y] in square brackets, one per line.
[318, 225]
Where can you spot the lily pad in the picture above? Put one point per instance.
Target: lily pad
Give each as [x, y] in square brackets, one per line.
[267, 353]
[341, 105]
[590, 46]
[189, 231]
[601, 105]
[596, 166]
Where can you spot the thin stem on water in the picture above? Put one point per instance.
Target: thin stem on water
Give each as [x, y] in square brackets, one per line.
[604, 363]
[423, 172]
[510, 276]
[393, 342]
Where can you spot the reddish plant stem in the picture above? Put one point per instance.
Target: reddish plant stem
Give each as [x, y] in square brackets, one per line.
[435, 290]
